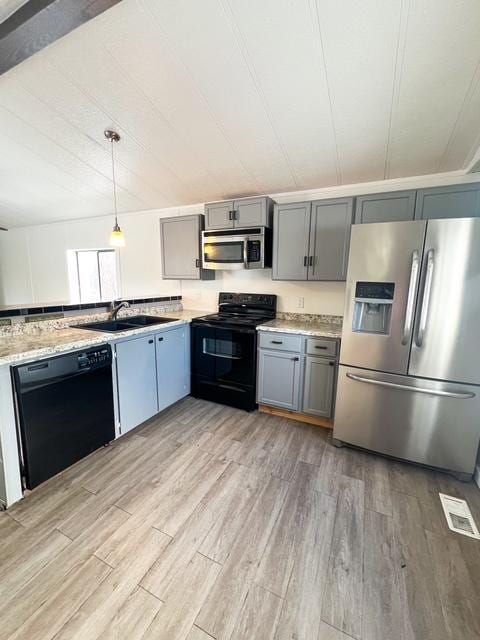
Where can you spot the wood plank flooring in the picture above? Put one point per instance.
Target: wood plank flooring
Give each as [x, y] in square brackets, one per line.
[211, 523]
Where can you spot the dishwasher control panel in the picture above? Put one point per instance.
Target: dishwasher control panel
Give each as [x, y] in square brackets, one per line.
[95, 358]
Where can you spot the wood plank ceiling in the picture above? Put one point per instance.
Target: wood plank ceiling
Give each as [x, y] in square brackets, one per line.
[233, 97]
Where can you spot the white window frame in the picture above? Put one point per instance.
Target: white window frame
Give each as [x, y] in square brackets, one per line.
[74, 274]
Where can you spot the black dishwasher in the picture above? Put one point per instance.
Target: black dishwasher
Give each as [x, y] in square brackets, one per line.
[65, 410]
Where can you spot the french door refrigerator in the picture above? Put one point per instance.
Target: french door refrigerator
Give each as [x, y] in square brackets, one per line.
[409, 375]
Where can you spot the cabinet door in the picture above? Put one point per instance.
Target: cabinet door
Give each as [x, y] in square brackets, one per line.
[171, 367]
[385, 207]
[318, 387]
[278, 379]
[180, 238]
[455, 201]
[136, 381]
[329, 239]
[252, 212]
[291, 231]
[219, 215]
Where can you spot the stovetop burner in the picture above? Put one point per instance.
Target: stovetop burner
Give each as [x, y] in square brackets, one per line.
[243, 309]
[227, 318]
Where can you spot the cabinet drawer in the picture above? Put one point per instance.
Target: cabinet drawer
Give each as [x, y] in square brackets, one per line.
[321, 347]
[280, 342]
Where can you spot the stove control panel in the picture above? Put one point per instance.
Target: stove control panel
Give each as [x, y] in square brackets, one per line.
[265, 301]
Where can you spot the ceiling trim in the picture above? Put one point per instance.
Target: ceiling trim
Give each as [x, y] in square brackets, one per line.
[39, 23]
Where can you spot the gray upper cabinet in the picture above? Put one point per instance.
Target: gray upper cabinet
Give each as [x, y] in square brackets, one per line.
[279, 379]
[318, 387]
[238, 214]
[330, 226]
[219, 215]
[455, 201]
[136, 381]
[253, 212]
[181, 248]
[291, 233]
[311, 240]
[385, 207]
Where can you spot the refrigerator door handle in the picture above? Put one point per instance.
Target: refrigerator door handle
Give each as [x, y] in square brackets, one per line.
[412, 290]
[404, 387]
[427, 289]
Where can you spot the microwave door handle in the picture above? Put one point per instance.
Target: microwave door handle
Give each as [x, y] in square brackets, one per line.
[427, 289]
[245, 253]
[412, 291]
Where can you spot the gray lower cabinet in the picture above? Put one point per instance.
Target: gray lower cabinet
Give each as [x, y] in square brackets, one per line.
[318, 386]
[173, 365]
[136, 381]
[454, 201]
[289, 377]
[311, 240]
[385, 207]
[238, 214]
[180, 238]
[279, 379]
[152, 373]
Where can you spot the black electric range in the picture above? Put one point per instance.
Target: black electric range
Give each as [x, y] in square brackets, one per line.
[224, 349]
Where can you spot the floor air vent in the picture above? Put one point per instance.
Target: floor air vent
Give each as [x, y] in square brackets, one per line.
[459, 517]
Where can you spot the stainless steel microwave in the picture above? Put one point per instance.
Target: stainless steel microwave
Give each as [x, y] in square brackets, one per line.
[244, 249]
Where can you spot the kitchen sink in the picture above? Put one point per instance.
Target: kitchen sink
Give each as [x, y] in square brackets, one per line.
[125, 324]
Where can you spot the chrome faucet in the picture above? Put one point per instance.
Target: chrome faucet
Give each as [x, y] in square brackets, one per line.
[115, 308]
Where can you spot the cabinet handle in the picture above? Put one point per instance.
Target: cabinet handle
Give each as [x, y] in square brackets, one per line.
[276, 342]
[197, 262]
[331, 364]
[296, 359]
[231, 215]
[150, 342]
[317, 346]
[310, 261]
[235, 215]
[305, 261]
[160, 339]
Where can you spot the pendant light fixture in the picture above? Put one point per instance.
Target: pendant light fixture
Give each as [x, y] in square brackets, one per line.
[117, 238]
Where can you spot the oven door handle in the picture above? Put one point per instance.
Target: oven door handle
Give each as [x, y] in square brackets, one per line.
[245, 253]
[221, 327]
[222, 355]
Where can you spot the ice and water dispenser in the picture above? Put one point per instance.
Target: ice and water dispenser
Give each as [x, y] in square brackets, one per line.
[373, 307]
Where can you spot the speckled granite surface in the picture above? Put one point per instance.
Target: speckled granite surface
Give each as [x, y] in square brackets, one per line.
[23, 347]
[305, 324]
[43, 325]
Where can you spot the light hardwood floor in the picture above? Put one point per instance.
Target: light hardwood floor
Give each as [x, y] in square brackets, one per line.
[208, 522]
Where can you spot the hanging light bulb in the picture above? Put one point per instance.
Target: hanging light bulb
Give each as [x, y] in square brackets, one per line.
[117, 237]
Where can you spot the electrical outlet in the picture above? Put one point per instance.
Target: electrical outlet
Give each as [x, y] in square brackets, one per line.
[300, 303]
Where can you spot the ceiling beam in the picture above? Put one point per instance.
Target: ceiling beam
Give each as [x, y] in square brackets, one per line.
[38, 23]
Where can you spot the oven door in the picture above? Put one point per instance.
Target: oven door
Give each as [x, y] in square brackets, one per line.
[225, 356]
[225, 252]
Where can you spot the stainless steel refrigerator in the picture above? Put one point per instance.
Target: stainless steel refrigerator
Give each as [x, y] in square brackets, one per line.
[409, 375]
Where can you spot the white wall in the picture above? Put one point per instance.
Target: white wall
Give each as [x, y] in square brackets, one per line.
[33, 266]
[33, 260]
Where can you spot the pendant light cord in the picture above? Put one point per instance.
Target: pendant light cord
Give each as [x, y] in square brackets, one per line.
[114, 184]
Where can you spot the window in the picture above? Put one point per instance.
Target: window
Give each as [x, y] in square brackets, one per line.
[93, 275]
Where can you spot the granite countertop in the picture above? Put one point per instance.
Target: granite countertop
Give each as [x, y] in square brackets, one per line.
[318, 328]
[19, 348]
